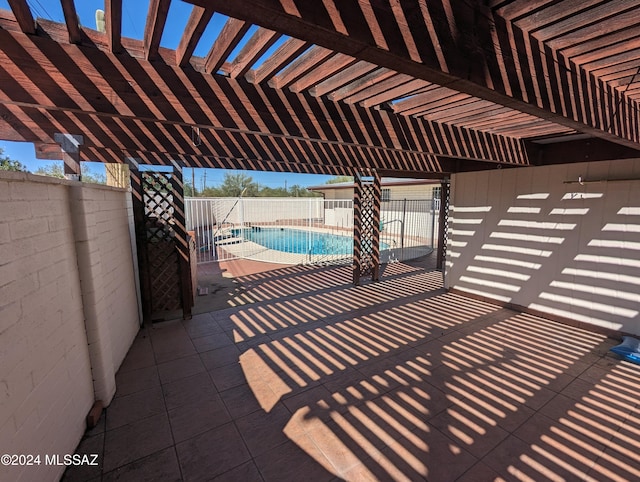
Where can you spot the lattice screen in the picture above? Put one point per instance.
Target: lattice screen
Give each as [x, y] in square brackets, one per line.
[366, 224]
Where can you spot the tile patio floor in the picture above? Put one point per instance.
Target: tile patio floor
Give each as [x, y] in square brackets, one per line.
[398, 380]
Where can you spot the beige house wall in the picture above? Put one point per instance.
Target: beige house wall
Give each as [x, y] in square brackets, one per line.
[551, 240]
[406, 191]
[66, 276]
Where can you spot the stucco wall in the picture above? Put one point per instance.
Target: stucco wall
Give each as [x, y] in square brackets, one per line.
[46, 380]
[537, 238]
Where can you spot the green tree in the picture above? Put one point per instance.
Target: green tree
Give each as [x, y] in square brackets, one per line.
[8, 164]
[236, 184]
[339, 179]
[57, 170]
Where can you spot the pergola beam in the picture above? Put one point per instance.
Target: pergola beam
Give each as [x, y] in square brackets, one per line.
[156, 20]
[198, 21]
[461, 45]
[71, 19]
[113, 20]
[23, 15]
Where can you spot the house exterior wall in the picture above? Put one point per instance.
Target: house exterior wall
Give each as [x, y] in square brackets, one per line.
[539, 239]
[403, 191]
[46, 382]
[411, 191]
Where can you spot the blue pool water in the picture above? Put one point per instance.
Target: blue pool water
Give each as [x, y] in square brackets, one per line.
[299, 241]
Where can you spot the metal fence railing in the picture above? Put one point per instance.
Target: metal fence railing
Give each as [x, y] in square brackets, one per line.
[303, 230]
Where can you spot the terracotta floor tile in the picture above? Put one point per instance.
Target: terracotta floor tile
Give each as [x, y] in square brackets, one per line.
[352, 384]
[477, 435]
[188, 390]
[136, 440]
[220, 357]
[93, 445]
[134, 407]
[140, 355]
[211, 342]
[162, 465]
[290, 463]
[195, 418]
[212, 453]
[240, 401]
[181, 368]
[228, 376]
[262, 431]
[201, 325]
[136, 380]
[247, 472]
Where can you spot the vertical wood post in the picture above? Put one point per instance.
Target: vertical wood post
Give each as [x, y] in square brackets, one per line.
[366, 226]
[182, 242]
[70, 145]
[442, 225]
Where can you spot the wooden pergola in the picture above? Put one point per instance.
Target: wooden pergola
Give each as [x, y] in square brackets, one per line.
[392, 87]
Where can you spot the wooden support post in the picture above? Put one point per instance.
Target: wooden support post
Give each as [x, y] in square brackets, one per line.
[442, 225]
[182, 242]
[141, 233]
[366, 226]
[70, 145]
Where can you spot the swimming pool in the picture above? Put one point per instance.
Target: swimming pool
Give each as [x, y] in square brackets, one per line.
[299, 241]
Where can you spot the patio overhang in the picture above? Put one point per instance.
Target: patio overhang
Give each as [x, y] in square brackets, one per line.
[418, 89]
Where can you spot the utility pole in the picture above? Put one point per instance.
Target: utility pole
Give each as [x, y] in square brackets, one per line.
[285, 185]
[193, 181]
[204, 181]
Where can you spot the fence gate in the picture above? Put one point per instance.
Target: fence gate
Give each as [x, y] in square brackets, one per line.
[163, 246]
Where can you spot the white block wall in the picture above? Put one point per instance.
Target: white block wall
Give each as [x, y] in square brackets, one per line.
[536, 238]
[46, 385]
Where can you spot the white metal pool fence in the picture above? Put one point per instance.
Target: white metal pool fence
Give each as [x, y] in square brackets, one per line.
[224, 229]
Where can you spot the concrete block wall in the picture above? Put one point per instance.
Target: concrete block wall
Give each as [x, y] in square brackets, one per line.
[560, 240]
[47, 273]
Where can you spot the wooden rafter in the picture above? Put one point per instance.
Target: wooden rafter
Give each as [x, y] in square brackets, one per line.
[479, 51]
[301, 66]
[198, 21]
[325, 70]
[113, 20]
[156, 19]
[23, 15]
[71, 19]
[255, 47]
[230, 35]
[361, 83]
[342, 78]
[288, 51]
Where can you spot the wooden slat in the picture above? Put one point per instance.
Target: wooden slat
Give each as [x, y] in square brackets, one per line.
[325, 70]
[379, 87]
[230, 35]
[288, 51]
[514, 68]
[22, 12]
[71, 19]
[415, 86]
[344, 77]
[197, 23]
[156, 19]
[113, 19]
[302, 65]
[255, 47]
[362, 83]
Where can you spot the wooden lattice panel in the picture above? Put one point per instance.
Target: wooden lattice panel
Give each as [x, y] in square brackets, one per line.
[160, 234]
[366, 233]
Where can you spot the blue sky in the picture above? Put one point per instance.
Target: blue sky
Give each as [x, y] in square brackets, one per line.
[134, 13]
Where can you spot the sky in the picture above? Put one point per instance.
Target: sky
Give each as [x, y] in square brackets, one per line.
[134, 14]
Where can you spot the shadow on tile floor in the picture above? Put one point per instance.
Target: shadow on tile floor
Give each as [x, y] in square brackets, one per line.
[397, 380]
